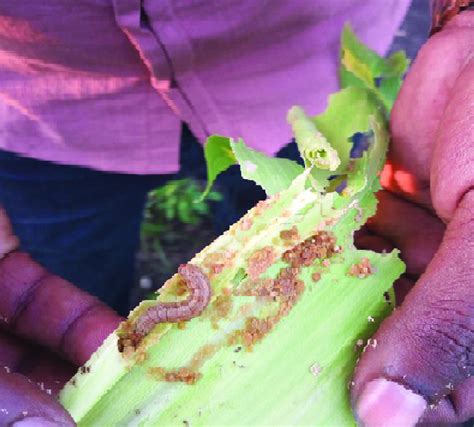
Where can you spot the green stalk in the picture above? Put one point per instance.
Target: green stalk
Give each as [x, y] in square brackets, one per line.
[248, 359]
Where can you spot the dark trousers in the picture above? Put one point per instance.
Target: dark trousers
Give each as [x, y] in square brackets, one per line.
[83, 225]
[79, 223]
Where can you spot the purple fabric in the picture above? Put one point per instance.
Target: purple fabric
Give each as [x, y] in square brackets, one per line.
[104, 84]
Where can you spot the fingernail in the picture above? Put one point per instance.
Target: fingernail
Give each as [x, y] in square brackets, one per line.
[35, 422]
[386, 403]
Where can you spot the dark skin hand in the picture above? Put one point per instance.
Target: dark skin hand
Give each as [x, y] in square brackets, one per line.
[48, 328]
[423, 365]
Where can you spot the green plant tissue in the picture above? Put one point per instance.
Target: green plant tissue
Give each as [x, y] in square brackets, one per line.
[293, 301]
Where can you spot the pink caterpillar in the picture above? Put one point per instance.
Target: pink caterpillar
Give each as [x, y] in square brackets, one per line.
[200, 294]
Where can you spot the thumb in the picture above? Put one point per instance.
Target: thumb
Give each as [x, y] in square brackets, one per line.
[424, 353]
[24, 404]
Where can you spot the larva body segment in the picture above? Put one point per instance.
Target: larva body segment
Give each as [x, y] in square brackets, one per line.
[199, 297]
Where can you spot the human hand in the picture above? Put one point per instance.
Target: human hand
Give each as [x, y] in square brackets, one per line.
[422, 365]
[48, 328]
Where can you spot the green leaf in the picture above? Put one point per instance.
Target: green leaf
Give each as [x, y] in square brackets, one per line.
[357, 68]
[214, 196]
[360, 53]
[348, 79]
[170, 211]
[184, 213]
[201, 208]
[313, 146]
[397, 64]
[297, 372]
[348, 112]
[362, 67]
[271, 173]
[389, 88]
[150, 229]
[335, 312]
[219, 157]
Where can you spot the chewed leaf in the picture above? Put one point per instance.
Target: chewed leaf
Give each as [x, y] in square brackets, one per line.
[271, 173]
[347, 113]
[313, 146]
[292, 300]
[219, 157]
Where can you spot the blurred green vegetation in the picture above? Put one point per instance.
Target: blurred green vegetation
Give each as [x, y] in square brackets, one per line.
[175, 205]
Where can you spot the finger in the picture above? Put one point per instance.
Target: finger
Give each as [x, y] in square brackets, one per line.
[11, 351]
[47, 370]
[364, 239]
[426, 348]
[38, 364]
[402, 287]
[8, 241]
[406, 185]
[408, 227]
[50, 311]
[454, 407]
[452, 169]
[425, 94]
[22, 400]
